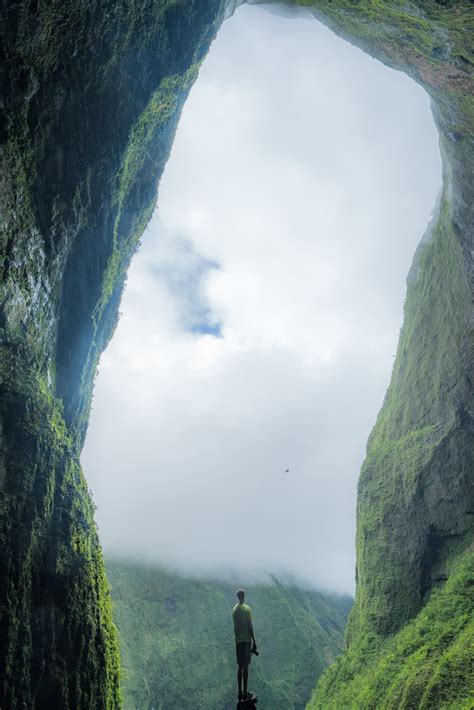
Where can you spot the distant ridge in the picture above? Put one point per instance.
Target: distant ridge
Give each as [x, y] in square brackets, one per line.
[177, 640]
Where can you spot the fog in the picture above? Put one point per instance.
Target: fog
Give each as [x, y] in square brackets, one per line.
[261, 315]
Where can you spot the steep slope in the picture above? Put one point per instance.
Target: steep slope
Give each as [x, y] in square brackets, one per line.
[177, 640]
[416, 489]
[92, 94]
[429, 664]
[415, 494]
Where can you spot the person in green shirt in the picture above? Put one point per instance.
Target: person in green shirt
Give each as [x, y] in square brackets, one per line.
[244, 638]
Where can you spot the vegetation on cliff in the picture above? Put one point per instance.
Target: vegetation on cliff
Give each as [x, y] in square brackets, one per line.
[178, 646]
[92, 95]
[410, 633]
[415, 490]
[428, 664]
[91, 98]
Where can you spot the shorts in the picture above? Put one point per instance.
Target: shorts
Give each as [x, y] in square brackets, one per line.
[243, 653]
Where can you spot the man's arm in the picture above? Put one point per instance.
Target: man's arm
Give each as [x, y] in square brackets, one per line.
[252, 634]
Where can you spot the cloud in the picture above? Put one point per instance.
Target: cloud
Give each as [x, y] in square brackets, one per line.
[261, 316]
[184, 273]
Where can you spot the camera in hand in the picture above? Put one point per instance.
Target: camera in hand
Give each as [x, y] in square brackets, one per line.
[254, 650]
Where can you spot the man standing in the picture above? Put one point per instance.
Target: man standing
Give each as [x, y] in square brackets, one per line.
[244, 637]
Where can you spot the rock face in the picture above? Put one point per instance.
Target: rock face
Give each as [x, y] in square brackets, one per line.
[92, 94]
[428, 664]
[415, 495]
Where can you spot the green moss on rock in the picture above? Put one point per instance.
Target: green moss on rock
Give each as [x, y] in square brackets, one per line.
[91, 98]
[428, 664]
[58, 643]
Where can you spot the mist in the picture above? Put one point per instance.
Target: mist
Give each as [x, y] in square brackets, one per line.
[261, 315]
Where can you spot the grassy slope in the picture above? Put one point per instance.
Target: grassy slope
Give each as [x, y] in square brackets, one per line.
[427, 665]
[177, 640]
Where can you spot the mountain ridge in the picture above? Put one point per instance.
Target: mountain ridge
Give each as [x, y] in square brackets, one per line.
[167, 621]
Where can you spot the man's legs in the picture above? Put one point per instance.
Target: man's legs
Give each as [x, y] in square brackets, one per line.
[243, 675]
[243, 660]
[246, 678]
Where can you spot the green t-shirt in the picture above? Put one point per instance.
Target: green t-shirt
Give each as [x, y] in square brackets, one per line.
[242, 616]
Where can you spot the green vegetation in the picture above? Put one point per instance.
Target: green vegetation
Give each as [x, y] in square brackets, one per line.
[415, 500]
[91, 98]
[429, 664]
[49, 543]
[178, 648]
[414, 486]
[428, 39]
[149, 143]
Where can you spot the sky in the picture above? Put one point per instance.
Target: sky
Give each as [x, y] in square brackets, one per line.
[261, 315]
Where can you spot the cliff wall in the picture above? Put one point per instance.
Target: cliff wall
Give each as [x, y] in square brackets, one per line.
[92, 94]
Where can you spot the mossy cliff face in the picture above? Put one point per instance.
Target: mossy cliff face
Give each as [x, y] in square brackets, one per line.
[415, 497]
[92, 95]
[428, 664]
[410, 631]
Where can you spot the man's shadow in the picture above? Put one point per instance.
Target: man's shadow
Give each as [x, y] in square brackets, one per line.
[247, 705]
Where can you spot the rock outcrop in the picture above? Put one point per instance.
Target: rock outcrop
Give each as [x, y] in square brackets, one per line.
[92, 95]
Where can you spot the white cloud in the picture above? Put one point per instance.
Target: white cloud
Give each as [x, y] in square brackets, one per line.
[301, 180]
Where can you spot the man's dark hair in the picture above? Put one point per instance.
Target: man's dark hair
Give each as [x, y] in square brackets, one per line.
[241, 593]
